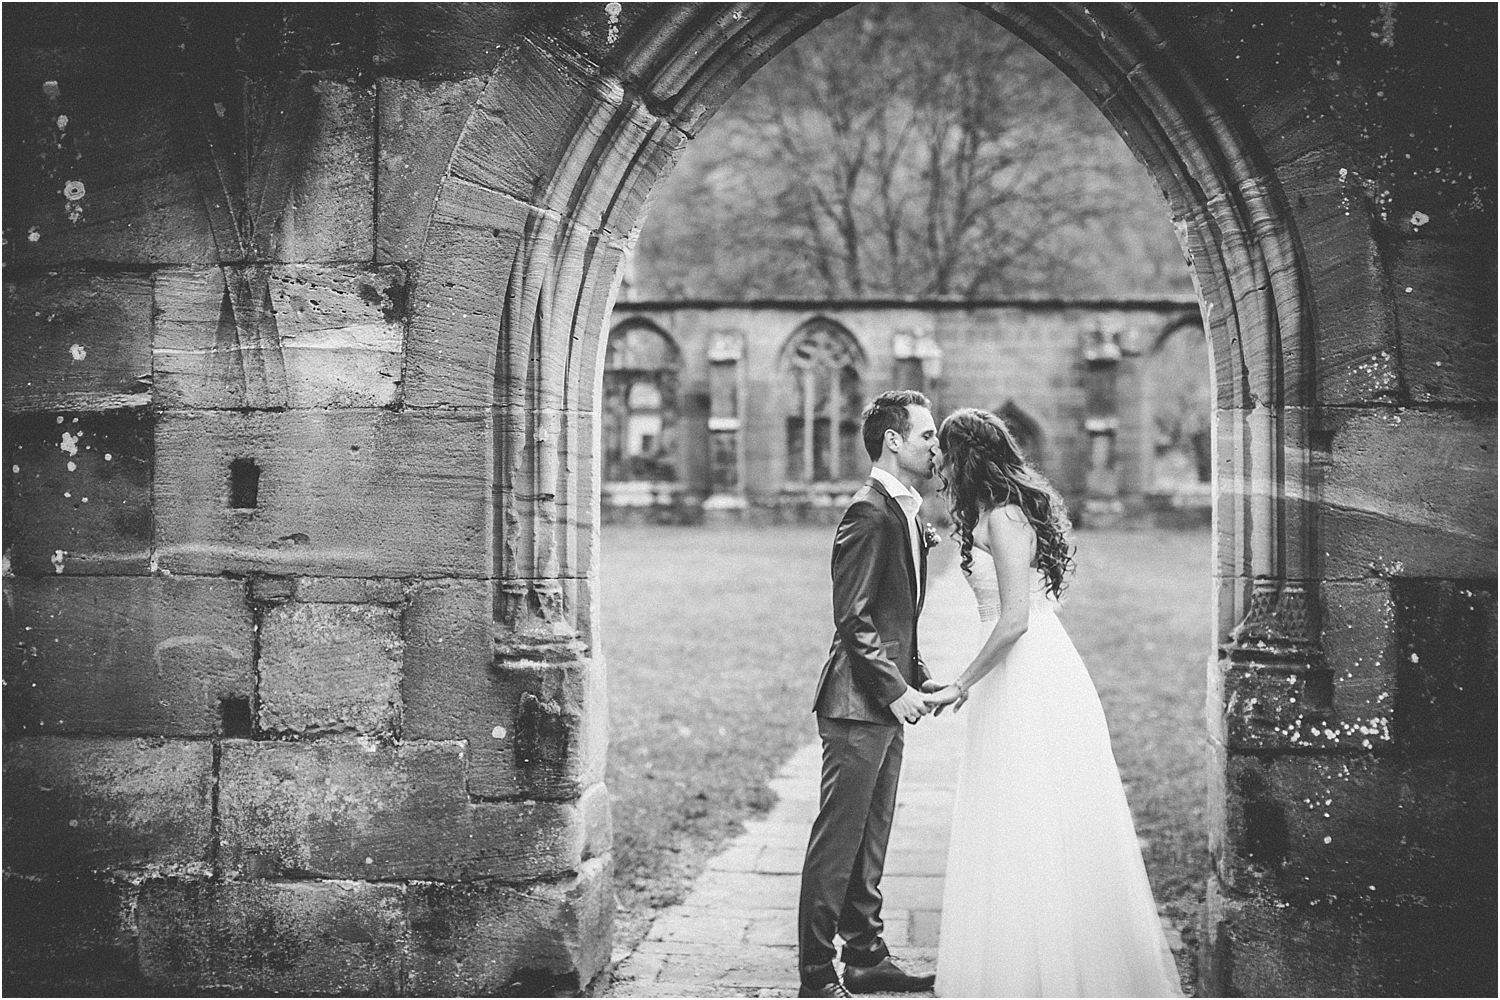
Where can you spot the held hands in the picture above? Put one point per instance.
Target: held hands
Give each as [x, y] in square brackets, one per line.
[911, 706]
[939, 696]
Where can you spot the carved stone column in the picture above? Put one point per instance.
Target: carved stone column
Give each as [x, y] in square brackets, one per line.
[1101, 356]
[726, 390]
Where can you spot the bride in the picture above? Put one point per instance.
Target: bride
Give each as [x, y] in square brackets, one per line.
[1046, 893]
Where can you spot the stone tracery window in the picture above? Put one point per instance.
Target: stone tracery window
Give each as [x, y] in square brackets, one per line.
[824, 396]
[1025, 429]
[642, 368]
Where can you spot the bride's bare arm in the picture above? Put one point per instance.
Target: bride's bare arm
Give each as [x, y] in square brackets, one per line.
[1010, 539]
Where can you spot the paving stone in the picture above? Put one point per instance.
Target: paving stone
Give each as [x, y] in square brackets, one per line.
[746, 967]
[923, 929]
[917, 862]
[912, 891]
[699, 929]
[781, 860]
[780, 932]
[741, 857]
[734, 889]
[897, 932]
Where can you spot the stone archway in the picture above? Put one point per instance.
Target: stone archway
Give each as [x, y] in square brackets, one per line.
[549, 180]
[443, 194]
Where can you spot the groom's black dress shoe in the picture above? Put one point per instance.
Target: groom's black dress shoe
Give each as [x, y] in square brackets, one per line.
[884, 976]
[833, 989]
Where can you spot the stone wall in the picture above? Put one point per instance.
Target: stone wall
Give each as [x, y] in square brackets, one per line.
[1062, 367]
[305, 314]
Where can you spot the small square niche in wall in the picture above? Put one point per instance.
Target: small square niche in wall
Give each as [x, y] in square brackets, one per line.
[244, 484]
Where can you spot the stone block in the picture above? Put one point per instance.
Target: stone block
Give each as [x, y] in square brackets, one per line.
[328, 668]
[364, 810]
[489, 939]
[1244, 441]
[1444, 294]
[446, 42]
[272, 589]
[125, 45]
[1370, 828]
[641, 45]
[420, 122]
[1445, 667]
[125, 655]
[598, 820]
[73, 804]
[171, 180]
[139, 200]
[1358, 641]
[327, 211]
[547, 130]
[349, 590]
[447, 687]
[527, 118]
[272, 938]
[488, 325]
[77, 342]
[1260, 946]
[292, 335]
[1358, 353]
[69, 937]
[78, 492]
[531, 727]
[458, 310]
[541, 707]
[1409, 493]
[338, 493]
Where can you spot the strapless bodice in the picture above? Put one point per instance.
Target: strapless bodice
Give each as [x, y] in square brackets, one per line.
[986, 586]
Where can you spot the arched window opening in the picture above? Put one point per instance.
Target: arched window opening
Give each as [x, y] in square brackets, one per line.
[823, 376]
[641, 371]
[1024, 428]
[1177, 377]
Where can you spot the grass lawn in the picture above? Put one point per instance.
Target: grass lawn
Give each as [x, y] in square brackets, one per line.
[714, 638]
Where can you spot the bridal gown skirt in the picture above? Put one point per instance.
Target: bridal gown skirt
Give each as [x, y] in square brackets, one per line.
[1046, 893]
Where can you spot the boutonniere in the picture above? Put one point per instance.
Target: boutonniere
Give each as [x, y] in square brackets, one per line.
[930, 538]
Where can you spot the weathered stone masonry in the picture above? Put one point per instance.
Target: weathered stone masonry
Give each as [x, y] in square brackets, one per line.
[706, 404]
[304, 325]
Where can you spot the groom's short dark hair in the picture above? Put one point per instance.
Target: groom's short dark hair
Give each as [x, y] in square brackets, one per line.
[889, 412]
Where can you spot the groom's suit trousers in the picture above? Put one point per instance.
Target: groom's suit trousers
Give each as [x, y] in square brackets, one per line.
[846, 850]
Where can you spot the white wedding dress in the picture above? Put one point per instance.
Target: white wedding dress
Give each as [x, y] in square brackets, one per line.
[1046, 894]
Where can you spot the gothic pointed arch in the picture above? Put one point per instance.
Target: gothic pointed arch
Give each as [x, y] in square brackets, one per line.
[551, 222]
[1026, 430]
[1179, 388]
[640, 407]
[823, 372]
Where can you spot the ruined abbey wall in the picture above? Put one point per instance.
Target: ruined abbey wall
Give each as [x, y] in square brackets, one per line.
[305, 312]
[1071, 376]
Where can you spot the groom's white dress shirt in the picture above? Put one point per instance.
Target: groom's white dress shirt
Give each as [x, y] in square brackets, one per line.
[910, 504]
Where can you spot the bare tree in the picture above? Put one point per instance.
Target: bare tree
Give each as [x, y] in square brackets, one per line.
[902, 149]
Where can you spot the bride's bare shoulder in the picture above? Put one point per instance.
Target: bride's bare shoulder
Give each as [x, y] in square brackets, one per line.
[1011, 512]
[1002, 517]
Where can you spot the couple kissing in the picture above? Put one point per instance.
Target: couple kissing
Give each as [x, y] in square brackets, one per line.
[1046, 892]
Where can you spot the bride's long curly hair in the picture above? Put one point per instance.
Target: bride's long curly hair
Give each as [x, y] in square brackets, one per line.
[984, 469]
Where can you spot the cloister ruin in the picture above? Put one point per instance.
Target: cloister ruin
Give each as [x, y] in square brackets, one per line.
[306, 321]
[736, 410]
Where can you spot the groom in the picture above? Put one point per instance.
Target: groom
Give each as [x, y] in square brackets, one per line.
[870, 686]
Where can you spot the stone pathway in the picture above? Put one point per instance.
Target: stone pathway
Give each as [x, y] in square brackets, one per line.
[735, 933]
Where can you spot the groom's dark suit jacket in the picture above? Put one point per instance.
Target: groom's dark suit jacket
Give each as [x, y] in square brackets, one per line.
[874, 655]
